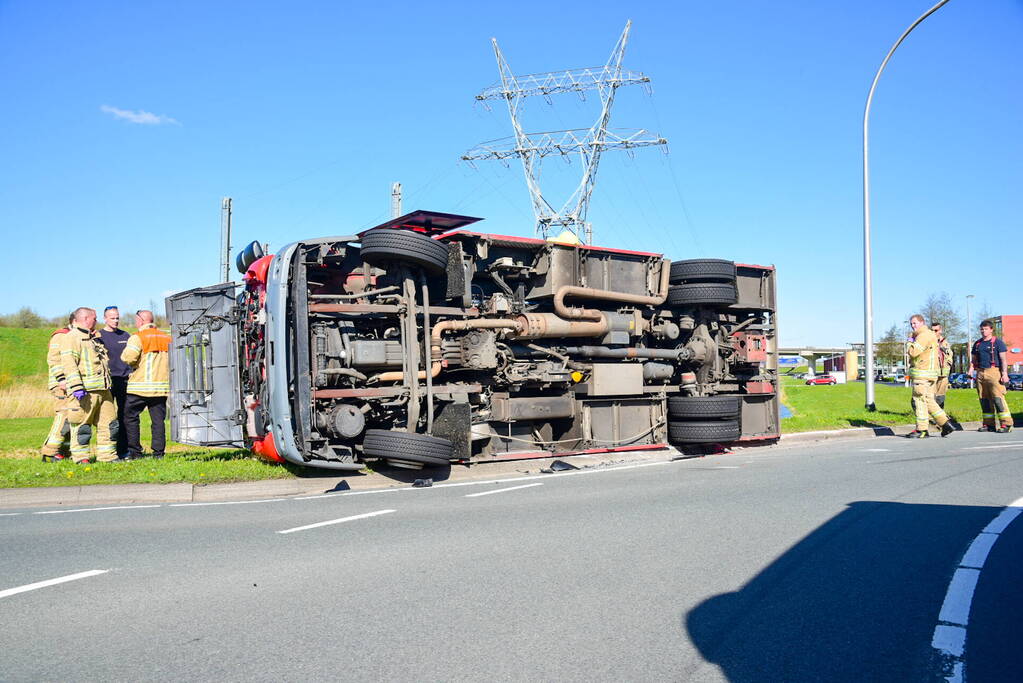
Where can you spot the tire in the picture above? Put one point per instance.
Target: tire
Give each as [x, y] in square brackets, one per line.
[702, 293]
[702, 270]
[704, 407]
[403, 246]
[703, 432]
[407, 447]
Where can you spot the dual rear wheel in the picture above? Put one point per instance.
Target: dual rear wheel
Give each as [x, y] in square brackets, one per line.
[703, 419]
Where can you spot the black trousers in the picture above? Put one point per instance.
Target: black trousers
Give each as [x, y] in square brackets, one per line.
[157, 406]
[119, 390]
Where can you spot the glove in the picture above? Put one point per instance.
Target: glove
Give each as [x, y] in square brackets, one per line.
[80, 394]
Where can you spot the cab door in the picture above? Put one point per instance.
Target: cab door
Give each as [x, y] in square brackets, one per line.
[205, 390]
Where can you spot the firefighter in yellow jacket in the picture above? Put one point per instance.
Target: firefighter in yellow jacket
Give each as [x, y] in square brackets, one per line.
[924, 370]
[90, 406]
[148, 385]
[56, 445]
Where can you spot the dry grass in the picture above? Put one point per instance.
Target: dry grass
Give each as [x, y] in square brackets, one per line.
[27, 398]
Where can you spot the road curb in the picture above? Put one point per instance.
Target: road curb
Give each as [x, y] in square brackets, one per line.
[124, 494]
[799, 438]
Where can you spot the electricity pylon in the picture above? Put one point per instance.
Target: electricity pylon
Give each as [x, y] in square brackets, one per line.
[588, 143]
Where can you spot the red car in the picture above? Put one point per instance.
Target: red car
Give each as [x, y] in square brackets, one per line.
[821, 379]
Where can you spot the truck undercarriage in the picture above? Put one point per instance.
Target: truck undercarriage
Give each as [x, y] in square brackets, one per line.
[421, 343]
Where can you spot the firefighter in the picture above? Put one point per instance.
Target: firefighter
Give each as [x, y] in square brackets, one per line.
[988, 362]
[923, 352]
[56, 445]
[944, 369]
[90, 404]
[148, 385]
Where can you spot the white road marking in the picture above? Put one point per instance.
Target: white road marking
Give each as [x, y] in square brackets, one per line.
[956, 608]
[117, 507]
[950, 634]
[391, 489]
[228, 502]
[335, 521]
[9, 514]
[976, 554]
[1014, 444]
[510, 488]
[725, 467]
[999, 523]
[876, 450]
[51, 582]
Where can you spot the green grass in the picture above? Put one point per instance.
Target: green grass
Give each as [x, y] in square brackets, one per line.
[22, 354]
[841, 406]
[20, 464]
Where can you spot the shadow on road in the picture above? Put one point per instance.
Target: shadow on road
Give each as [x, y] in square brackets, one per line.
[855, 600]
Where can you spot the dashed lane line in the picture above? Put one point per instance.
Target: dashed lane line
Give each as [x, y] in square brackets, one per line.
[335, 521]
[1013, 444]
[510, 488]
[116, 507]
[949, 637]
[51, 582]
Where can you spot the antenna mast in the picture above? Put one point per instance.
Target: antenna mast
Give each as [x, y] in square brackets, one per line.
[588, 143]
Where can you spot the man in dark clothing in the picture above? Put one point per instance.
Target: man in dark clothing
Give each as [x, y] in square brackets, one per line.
[989, 364]
[115, 340]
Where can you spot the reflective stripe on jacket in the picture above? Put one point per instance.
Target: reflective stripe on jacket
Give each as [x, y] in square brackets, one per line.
[923, 352]
[55, 371]
[944, 358]
[84, 361]
[147, 354]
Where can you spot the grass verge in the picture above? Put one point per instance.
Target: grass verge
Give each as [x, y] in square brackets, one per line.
[841, 406]
[20, 464]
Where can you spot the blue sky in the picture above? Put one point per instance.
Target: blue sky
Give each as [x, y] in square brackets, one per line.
[306, 112]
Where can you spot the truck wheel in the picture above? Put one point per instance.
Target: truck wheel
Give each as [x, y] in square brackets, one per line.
[404, 246]
[695, 293]
[404, 449]
[702, 270]
[703, 432]
[703, 407]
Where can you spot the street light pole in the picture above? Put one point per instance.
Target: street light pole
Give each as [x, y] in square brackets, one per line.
[868, 295]
[969, 334]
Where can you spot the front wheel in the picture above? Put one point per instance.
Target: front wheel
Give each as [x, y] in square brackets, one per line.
[407, 450]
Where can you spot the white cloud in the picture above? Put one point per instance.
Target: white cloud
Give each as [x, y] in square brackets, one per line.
[140, 116]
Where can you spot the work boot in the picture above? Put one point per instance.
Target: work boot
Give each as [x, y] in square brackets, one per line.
[986, 428]
[1004, 429]
[918, 434]
[947, 428]
[53, 458]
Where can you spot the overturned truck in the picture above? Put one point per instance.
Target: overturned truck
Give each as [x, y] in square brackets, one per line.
[422, 343]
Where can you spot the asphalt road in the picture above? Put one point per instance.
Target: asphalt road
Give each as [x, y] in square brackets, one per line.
[822, 562]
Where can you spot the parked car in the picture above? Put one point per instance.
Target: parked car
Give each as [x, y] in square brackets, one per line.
[959, 380]
[821, 379]
[1015, 381]
[418, 342]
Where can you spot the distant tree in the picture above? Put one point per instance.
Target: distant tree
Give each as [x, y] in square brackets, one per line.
[25, 317]
[158, 314]
[889, 348]
[939, 309]
[984, 313]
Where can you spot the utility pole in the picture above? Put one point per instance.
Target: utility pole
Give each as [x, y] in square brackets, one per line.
[225, 239]
[587, 143]
[395, 200]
